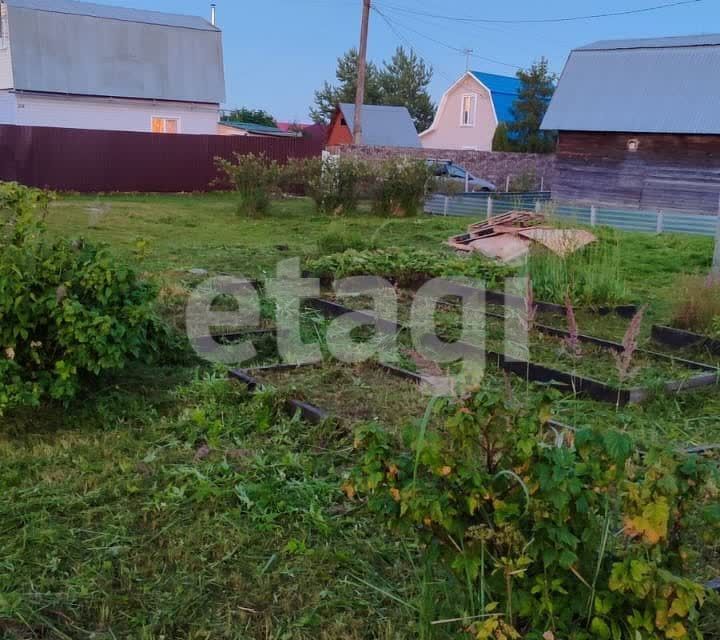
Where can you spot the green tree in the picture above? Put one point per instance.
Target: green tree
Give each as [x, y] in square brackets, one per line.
[501, 139]
[255, 116]
[329, 95]
[405, 80]
[536, 90]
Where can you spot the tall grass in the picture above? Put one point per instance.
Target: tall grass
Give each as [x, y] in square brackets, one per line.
[589, 277]
[697, 306]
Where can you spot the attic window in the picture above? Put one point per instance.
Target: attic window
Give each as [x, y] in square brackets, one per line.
[343, 122]
[633, 145]
[467, 115]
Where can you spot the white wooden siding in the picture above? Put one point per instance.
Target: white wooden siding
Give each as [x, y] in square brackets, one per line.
[8, 113]
[6, 75]
[115, 114]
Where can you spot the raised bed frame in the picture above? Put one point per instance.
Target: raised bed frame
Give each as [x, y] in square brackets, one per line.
[680, 338]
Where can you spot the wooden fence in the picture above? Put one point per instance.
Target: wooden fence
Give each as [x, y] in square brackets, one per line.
[92, 161]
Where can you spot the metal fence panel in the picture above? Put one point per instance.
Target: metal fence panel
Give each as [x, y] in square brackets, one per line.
[476, 206]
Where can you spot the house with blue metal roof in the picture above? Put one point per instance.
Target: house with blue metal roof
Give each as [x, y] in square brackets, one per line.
[81, 65]
[470, 111]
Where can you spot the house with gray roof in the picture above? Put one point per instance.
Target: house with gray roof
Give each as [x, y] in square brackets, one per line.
[71, 64]
[639, 124]
[382, 126]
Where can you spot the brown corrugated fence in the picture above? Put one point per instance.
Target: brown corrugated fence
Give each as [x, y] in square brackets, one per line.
[101, 161]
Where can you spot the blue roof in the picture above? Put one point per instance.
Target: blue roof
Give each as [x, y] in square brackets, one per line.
[504, 90]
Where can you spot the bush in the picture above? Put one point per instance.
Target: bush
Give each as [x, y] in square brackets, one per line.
[525, 182]
[697, 306]
[68, 310]
[406, 267]
[254, 177]
[579, 541]
[400, 186]
[338, 239]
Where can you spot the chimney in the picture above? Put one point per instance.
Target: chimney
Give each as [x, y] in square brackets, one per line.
[213, 14]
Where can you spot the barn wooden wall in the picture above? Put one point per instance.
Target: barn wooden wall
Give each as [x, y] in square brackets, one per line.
[667, 171]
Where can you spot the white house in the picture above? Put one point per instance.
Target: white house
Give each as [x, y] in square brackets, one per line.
[470, 111]
[78, 65]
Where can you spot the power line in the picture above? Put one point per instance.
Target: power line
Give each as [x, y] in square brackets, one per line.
[611, 14]
[391, 24]
[450, 46]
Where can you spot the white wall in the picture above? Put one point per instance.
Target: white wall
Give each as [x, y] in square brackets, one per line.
[116, 114]
[8, 114]
[6, 75]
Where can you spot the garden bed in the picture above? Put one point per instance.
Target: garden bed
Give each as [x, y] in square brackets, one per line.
[681, 338]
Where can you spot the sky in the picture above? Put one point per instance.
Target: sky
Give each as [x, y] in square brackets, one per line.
[277, 52]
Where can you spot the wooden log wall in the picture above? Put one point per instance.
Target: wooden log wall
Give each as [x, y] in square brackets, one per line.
[666, 171]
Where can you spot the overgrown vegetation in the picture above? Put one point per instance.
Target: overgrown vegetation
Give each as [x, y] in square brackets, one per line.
[697, 304]
[531, 529]
[407, 268]
[254, 177]
[68, 309]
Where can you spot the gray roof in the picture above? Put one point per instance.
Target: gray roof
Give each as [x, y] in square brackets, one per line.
[383, 126]
[64, 46]
[658, 85]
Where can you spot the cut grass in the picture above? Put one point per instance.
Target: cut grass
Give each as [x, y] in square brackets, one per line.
[114, 525]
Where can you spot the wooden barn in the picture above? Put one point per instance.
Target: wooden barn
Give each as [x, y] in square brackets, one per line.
[639, 124]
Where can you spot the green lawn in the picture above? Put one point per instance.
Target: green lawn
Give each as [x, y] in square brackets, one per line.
[115, 522]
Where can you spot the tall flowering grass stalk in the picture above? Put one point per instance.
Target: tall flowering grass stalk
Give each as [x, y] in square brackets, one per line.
[572, 341]
[530, 315]
[624, 358]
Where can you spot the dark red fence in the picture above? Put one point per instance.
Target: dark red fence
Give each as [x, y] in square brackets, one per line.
[91, 161]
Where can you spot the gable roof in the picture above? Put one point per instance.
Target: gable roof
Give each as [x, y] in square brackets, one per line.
[383, 126]
[504, 91]
[80, 48]
[656, 85]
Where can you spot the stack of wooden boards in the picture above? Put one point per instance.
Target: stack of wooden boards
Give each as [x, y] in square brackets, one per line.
[509, 236]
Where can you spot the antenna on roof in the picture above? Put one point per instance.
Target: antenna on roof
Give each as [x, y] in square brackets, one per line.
[213, 14]
[468, 53]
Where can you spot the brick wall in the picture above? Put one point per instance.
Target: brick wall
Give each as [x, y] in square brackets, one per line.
[490, 165]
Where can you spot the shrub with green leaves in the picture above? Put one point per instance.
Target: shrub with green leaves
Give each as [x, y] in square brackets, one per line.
[337, 184]
[407, 267]
[400, 186]
[68, 310]
[254, 177]
[579, 539]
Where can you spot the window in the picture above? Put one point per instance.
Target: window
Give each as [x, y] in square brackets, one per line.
[456, 172]
[165, 125]
[467, 117]
[4, 36]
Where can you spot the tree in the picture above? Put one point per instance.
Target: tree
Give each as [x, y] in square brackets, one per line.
[255, 116]
[404, 82]
[501, 139]
[536, 89]
[328, 96]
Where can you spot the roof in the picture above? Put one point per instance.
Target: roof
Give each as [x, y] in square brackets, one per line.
[504, 91]
[79, 48]
[657, 85]
[383, 126]
[260, 129]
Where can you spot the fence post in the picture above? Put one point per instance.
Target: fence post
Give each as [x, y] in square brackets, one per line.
[716, 255]
[489, 207]
[660, 222]
[593, 216]
[445, 205]
[467, 181]
[538, 206]
[542, 183]
[507, 184]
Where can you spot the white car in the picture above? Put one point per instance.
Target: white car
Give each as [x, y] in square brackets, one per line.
[448, 170]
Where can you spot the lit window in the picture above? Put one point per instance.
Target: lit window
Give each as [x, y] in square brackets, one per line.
[467, 118]
[164, 125]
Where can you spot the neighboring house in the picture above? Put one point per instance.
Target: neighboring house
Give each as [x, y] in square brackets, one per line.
[470, 110]
[231, 128]
[639, 124]
[88, 66]
[382, 126]
[313, 131]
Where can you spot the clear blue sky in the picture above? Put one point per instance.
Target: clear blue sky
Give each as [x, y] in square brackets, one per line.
[277, 52]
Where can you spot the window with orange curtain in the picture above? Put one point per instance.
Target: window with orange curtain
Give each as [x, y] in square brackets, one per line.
[164, 125]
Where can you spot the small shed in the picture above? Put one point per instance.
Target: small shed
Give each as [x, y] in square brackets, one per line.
[382, 126]
[639, 124]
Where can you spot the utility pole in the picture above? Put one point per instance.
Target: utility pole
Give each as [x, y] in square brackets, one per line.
[362, 68]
